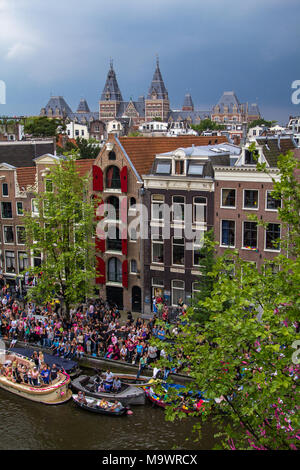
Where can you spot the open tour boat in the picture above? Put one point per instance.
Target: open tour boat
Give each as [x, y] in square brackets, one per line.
[55, 393]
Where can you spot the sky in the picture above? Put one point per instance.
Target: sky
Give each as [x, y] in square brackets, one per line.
[64, 47]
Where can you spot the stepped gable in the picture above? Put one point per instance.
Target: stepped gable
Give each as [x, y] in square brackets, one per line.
[143, 150]
[111, 90]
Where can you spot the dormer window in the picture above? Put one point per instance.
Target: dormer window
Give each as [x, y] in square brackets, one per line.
[179, 167]
[163, 167]
[251, 157]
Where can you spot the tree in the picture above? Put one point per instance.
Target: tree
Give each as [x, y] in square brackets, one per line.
[87, 148]
[43, 127]
[205, 283]
[243, 359]
[60, 230]
[261, 122]
[207, 124]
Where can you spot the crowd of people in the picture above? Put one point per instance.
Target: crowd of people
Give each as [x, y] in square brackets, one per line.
[93, 329]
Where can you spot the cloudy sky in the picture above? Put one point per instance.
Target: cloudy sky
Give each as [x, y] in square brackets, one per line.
[63, 47]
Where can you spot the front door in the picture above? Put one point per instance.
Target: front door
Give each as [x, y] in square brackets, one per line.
[136, 299]
[114, 295]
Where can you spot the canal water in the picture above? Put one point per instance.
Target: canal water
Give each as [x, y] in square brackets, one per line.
[33, 426]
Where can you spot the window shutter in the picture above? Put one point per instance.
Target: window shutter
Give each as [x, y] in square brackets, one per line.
[100, 245]
[100, 271]
[99, 208]
[125, 273]
[124, 178]
[97, 178]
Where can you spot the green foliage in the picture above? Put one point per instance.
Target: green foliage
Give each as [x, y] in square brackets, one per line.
[61, 232]
[242, 357]
[206, 124]
[261, 122]
[43, 127]
[87, 148]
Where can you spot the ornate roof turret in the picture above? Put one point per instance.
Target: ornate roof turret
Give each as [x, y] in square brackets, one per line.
[83, 106]
[111, 91]
[157, 88]
[188, 104]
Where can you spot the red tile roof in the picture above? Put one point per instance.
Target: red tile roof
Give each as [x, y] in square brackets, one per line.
[84, 166]
[142, 150]
[26, 176]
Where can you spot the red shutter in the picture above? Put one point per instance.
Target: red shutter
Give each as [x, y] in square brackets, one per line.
[124, 177]
[124, 247]
[100, 271]
[99, 209]
[97, 178]
[100, 245]
[125, 273]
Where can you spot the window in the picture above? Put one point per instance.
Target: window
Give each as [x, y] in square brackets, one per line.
[8, 232]
[111, 155]
[197, 255]
[34, 207]
[228, 233]
[178, 251]
[77, 132]
[200, 205]
[6, 210]
[178, 291]
[157, 207]
[158, 251]
[22, 261]
[49, 186]
[132, 204]
[251, 158]
[113, 180]
[113, 208]
[163, 167]
[228, 198]
[178, 208]
[113, 240]
[114, 270]
[271, 203]
[250, 199]
[157, 287]
[20, 210]
[4, 189]
[179, 167]
[10, 262]
[133, 266]
[250, 235]
[37, 258]
[272, 237]
[21, 238]
[195, 169]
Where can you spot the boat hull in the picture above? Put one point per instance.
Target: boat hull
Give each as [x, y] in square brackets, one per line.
[129, 396]
[98, 410]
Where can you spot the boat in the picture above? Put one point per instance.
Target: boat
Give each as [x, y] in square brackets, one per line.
[55, 393]
[93, 406]
[163, 400]
[128, 395]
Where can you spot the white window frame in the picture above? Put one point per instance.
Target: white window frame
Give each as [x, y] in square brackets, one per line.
[221, 201]
[179, 244]
[17, 226]
[266, 202]
[17, 212]
[28, 259]
[7, 218]
[227, 220]
[243, 225]
[7, 195]
[194, 209]
[162, 202]
[161, 242]
[9, 243]
[178, 203]
[177, 288]
[250, 208]
[272, 250]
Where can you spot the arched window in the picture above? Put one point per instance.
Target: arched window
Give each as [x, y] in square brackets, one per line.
[112, 179]
[112, 155]
[114, 270]
[132, 203]
[113, 208]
